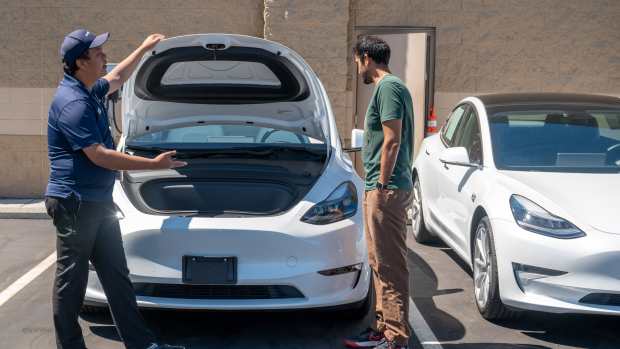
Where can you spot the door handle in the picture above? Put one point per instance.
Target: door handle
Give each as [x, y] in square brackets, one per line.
[427, 152]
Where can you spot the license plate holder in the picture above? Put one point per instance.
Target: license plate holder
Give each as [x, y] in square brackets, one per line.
[200, 270]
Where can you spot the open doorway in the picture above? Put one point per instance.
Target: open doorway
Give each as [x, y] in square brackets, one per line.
[413, 60]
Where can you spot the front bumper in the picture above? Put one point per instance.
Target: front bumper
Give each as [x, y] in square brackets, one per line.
[268, 254]
[591, 265]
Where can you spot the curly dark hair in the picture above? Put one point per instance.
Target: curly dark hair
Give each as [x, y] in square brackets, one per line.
[375, 47]
[71, 68]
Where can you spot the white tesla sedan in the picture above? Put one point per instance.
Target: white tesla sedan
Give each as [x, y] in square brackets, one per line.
[266, 215]
[525, 188]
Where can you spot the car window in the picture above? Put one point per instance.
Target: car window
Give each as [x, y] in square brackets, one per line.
[468, 136]
[609, 123]
[450, 128]
[555, 137]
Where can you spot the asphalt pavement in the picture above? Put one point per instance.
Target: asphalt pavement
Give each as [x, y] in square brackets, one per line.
[445, 315]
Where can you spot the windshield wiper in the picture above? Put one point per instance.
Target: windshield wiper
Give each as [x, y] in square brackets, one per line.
[246, 151]
[149, 149]
[251, 151]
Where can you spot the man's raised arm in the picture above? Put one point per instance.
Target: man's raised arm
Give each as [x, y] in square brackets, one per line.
[125, 68]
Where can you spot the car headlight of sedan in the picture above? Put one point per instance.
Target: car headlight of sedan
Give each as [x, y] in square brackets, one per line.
[536, 219]
[340, 204]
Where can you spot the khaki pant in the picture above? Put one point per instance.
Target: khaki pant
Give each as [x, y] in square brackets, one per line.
[385, 223]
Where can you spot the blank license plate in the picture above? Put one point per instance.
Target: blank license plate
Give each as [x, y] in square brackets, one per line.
[209, 270]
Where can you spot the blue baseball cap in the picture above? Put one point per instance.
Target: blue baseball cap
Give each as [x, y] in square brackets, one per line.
[78, 41]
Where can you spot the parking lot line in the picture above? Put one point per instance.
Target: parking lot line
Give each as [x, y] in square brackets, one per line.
[422, 330]
[23, 281]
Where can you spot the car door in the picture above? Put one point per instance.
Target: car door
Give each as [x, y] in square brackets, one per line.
[431, 189]
[459, 184]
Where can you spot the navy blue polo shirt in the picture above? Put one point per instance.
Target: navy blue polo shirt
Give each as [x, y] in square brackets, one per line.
[77, 119]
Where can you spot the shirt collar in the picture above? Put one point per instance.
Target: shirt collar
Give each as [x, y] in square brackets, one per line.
[72, 82]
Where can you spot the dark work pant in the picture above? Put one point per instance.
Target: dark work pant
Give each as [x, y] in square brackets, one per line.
[90, 231]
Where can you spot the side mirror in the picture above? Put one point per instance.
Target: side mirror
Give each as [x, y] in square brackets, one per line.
[357, 141]
[116, 96]
[456, 156]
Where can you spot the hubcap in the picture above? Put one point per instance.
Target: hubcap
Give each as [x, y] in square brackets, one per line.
[416, 207]
[482, 267]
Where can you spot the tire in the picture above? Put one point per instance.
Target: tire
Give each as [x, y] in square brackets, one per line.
[416, 214]
[486, 281]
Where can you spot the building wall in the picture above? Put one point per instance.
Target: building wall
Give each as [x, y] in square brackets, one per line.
[511, 45]
[482, 46]
[319, 30]
[30, 37]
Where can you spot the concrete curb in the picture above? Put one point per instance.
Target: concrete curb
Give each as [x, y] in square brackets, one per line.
[23, 209]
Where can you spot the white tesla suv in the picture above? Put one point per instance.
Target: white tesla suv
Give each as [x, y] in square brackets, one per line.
[266, 215]
[525, 188]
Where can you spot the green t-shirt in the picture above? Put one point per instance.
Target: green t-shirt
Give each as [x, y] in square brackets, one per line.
[391, 100]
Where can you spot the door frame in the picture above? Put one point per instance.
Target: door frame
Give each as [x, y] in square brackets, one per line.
[431, 42]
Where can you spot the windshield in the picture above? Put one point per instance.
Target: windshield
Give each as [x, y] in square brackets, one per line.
[196, 137]
[563, 138]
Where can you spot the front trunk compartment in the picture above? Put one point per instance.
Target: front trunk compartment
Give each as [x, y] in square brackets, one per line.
[233, 185]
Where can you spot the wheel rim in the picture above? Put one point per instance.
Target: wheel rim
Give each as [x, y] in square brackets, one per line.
[416, 209]
[482, 266]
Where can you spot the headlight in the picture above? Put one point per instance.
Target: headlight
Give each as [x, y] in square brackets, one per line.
[339, 205]
[536, 219]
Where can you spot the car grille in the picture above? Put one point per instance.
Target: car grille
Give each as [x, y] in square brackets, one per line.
[216, 291]
[602, 299]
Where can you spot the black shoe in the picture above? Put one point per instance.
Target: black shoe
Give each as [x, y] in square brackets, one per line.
[367, 339]
[164, 346]
[386, 344]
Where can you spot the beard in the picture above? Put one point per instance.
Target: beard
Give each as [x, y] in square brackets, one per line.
[366, 77]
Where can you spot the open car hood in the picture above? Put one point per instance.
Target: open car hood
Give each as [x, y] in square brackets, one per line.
[224, 79]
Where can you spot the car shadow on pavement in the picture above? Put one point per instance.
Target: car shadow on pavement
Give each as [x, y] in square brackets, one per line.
[573, 330]
[242, 330]
[101, 324]
[458, 260]
[423, 286]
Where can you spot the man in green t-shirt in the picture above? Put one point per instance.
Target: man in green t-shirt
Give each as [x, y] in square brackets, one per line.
[388, 156]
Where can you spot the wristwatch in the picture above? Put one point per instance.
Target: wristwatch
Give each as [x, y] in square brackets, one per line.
[381, 186]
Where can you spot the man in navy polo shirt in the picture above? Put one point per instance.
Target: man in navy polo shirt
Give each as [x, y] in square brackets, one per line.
[79, 193]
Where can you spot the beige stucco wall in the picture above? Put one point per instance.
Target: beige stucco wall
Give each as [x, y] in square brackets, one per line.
[30, 37]
[319, 30]
[511, 45]
[482, 46]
